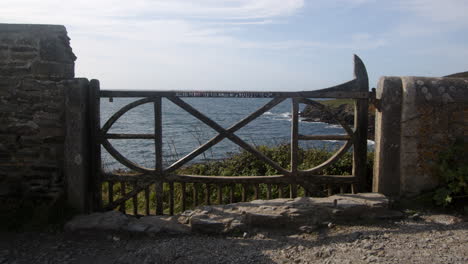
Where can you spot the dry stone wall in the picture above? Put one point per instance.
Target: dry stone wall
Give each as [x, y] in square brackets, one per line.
[36, 73]
[37, 51]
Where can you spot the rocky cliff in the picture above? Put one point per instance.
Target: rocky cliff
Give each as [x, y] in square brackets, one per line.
[343, 111]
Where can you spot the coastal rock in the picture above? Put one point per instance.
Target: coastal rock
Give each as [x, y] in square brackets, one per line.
[442, 219]
[287, 213]
[156, 224]
[302, 213]
[108, 221]
[344, 112]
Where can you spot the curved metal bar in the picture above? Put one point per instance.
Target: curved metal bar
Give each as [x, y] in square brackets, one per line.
[122, 111]
[328, 162]
[120, 158]
[227, 179]
[360, 74]
[326, 109]
[356, 88]
[321, 179]
[343, 90]
[145, 179]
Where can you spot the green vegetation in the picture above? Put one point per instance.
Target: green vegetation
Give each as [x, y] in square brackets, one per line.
[335, 103]
[452, 170]
[244, 164]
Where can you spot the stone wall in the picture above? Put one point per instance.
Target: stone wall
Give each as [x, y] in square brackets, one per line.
[37, 51]
[419, 118]
[36, 75]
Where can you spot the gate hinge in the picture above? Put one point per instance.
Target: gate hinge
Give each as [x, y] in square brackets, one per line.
[374, 101]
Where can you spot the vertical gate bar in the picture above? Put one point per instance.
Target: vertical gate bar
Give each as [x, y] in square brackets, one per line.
[280, 191]
[294, 137]
[184, 198]
[111, 191]
[244, 192]
[207, 194]
[341, 189]
[293, 190]
[353, 188]
[360, 142]
[220, 194]
[147, 200]
[158, 153]
[256, 192]
[123, 208]
[135, 200]
[195, 195]
[231, 193]
[95, 150]
[171, 198]
[268, 191]
[294, 146]
[329, 190]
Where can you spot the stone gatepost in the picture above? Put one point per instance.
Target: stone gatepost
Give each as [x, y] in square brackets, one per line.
[419, 118]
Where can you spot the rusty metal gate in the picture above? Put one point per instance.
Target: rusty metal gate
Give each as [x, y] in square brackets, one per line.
[143, 178]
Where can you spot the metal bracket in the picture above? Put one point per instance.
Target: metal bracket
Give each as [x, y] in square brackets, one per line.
[374, 101]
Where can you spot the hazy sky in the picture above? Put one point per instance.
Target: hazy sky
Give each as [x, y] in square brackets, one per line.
[253, 44]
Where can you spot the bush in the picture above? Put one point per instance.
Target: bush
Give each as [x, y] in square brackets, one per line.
[246, 164]
[452, 171]
[243, 164]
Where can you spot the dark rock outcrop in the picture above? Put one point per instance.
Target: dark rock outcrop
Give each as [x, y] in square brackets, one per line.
[344, 112]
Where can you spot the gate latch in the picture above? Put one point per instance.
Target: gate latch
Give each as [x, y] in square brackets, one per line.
[374, 101]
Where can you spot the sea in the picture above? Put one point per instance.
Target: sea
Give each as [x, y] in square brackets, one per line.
[183, 133]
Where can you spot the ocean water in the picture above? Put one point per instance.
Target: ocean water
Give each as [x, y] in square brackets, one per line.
[182, 133]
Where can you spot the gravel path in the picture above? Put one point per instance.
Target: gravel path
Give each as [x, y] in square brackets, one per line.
[402, 241]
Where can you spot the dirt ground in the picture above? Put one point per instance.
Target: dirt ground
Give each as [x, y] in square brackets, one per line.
[389, 241]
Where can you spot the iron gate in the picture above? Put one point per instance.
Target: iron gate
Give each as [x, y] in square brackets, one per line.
[143, 178]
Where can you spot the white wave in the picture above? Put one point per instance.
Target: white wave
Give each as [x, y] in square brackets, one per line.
[333, 126]
[370, 142]
[312, 122]
[285, 114]
[268, 113]
[283, 119]
[304, 120]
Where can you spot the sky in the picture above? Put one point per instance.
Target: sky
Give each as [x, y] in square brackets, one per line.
[285, 45]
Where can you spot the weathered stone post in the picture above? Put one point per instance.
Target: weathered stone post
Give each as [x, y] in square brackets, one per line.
[76, 167]
[387, 137]
[419, 118]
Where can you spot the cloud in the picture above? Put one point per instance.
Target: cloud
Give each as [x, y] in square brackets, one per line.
[426, 18]
[159, 22]
[446, 11]
[148, 9]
